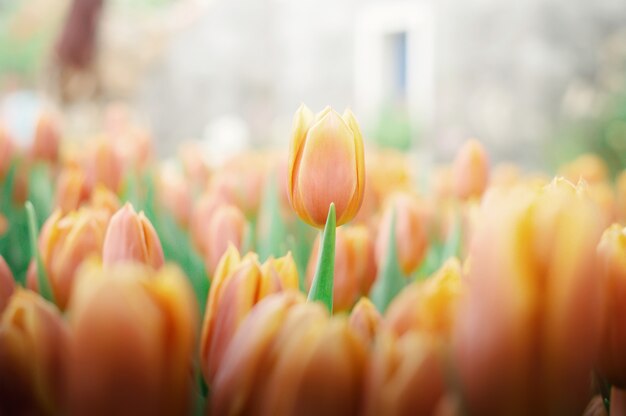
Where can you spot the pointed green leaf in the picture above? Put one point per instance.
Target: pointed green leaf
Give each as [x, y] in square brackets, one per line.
[322, 287]
[42, 278]
[271, 242]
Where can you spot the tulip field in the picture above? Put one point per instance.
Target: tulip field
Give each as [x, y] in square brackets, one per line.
[329, 277]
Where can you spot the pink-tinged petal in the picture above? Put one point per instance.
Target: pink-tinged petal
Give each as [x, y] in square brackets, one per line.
[7, 284]
[301, 122]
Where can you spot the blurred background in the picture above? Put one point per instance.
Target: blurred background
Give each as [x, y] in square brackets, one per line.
[538, 81]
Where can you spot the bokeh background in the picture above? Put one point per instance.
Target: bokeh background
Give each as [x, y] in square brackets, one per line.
[537, 81]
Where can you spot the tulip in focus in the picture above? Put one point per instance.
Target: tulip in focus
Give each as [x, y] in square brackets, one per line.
[134, 335]
[411, 230]
[355, 265]
[325, 166]
[33, 357]
[238, 284]
[612, 257]
[130, 237]
[291, 359]
[470, 171]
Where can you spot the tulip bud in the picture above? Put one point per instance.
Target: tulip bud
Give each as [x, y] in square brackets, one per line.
[404, 376]
[175, 194]
[103, 165]
[238, 284]
[134, 332]
[105, 200]
[612, 258]
[33, 356]
[365, 319]
[302, 362]
[130, 237]
[47, 139]
[355, 265]
[325, 166]
[64, 243]
[7, 284]
[411, 232]
[532, 294]
[429, 306]
[470, 170]
[71, 189]
[588, 167]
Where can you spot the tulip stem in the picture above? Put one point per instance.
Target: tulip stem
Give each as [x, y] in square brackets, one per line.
[322, 287]
[42, 278]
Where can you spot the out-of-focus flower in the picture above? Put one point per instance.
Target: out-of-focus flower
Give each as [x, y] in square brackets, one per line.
[620, 191]
[71, 189]
[102, 164]
[174, 193]
[505, 175]
[64, 243]
[404, 376]
[365, 319]
[588, 167]
[7, 284]
[47, 139]
[612, 257]
[291, 359]
[532, 294]
[130, 237]
[429, 306]
[411, 231]
[105, 200]
[7, 151]
[4, 225]
[470, 171]
[325, 166]
[33, 356]
[194, 165]
[134, 333]
[388, 171]
[355, 265]
[238, 284]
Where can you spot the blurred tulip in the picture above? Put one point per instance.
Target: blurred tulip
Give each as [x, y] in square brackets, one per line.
[103, 199]
[291, 359]
[103, 165]
[528, 328]
[7, 284]
[410, 228]
[588, 167]
[238, 284]
[365, 319]
[325, 166]
[194, 165]
[404, 376]
[470, 171]
[618, 402]
[71, 189]
[620, 190]
[130, 237]
[201, 215]
[174, 194]
[505, 175]
[429, 306]
[612, 257]
[4, 225]
[64, 243]
[355, 265]
[7, 151]
[47, 139]
[134, 334]
[389, 171]
[33, 357]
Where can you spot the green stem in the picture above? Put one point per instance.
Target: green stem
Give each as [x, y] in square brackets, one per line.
[322, 287]
[42, 278]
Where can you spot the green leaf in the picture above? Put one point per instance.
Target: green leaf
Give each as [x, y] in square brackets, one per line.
[40, 191]
[42, 278]
[322, 287]
[273, 236]
[390, 279]
[452, 247]
[301, 243]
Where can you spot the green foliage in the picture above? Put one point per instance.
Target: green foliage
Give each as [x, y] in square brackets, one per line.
[322, 286]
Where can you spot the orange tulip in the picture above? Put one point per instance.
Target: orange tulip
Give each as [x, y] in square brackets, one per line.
[291, 359]
[7, 151]
[64, 243]
[355, 265]
[47, 139]
[612, 255]
[134, 334]
[175, 194]
[33, 357]
[528, 329]
[130, 237]
[238, 284]
[411, 232]
[404, 376]
[325, 166]
[588, 167]
[103, 164]
[7, 284]
[429, 306]
[71, 189]
[470, 171]
[365, 319]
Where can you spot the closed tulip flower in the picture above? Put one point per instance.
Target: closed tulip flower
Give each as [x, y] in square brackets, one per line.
[47, 139]
[33, 357]
[7, 284]
[226, 226]
[64, 243]
[134, 334]
[612, 256]
[365, 319]
[291, 359]
[470, 171]
[238, 284]
[130, 237]
[528, 328]
[71, 189]
[325, 166]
